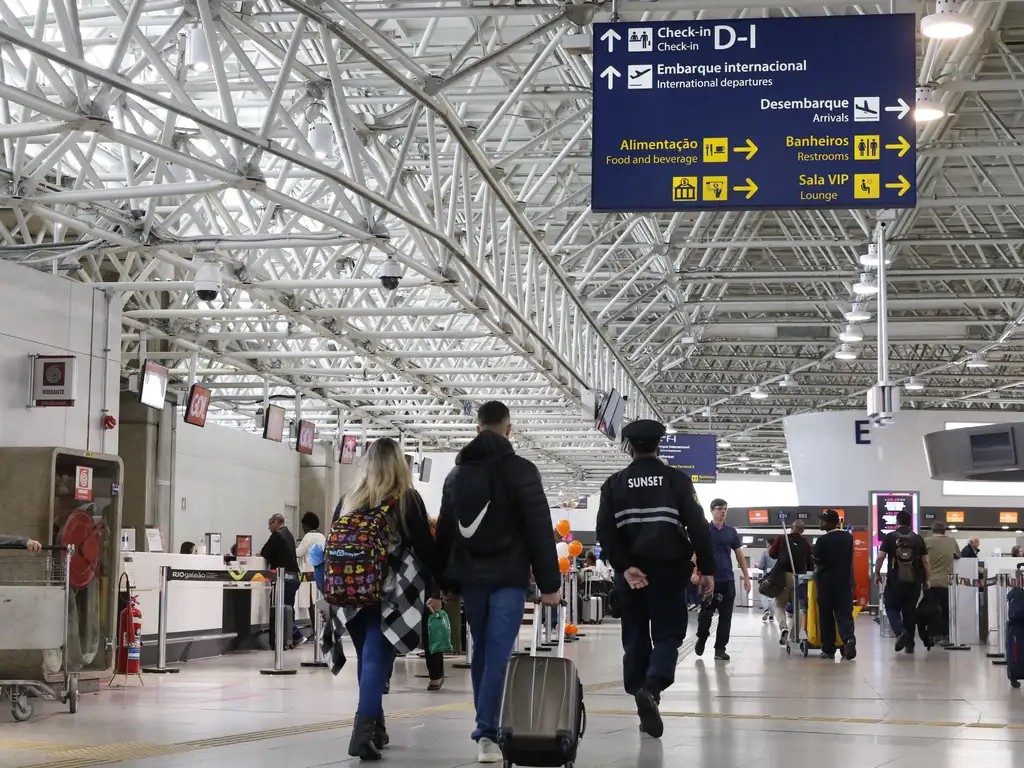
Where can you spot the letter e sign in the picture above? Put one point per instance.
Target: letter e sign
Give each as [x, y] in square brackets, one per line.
[861, 433]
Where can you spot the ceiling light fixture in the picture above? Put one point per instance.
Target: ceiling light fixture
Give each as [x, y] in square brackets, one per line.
[977, 361]
[724, 444]
[870, 259]
[949, 22]
[197, 51]
[321, 139]
[929, 105]
[846, 352]
[857, 314]
[867, 286]
[913, 385]
[743, 458]
[789, 381]
[758, 394]
[775, 473]
[851, 334]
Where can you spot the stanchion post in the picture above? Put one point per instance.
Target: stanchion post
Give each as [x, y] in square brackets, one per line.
[999, 658]
[278, 619]
[161, 667]
[954, 629]
[318, 651]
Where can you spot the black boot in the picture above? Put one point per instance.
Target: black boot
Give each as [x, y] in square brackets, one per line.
[361, 745]
[380, 733]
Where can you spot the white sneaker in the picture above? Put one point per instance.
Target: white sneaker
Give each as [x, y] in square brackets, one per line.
[489, 752]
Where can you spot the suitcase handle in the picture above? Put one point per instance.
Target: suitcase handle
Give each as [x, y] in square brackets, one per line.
[538, 622]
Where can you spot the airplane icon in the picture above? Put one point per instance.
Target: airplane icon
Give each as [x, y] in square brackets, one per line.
[640, 76]
[866, 109]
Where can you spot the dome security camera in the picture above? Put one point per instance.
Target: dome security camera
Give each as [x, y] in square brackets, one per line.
[208, 280]
[390, 274]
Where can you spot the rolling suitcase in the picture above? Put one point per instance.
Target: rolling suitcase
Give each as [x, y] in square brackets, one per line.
[591, 605]
[542, 714]
[593, 610]
[1015, 653]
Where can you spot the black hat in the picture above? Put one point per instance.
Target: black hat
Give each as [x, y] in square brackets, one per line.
[830, 516]
[644, 431]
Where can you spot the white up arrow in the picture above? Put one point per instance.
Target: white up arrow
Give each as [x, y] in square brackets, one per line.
[903, 108]
[611, 36]
[611, 73]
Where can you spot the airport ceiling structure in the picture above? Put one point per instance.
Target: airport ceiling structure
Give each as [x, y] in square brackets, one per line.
[302, 150]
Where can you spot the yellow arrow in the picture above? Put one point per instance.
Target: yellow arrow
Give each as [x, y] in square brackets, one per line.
[903, 185]
[750, 188]
[903, 146]
[750, 149]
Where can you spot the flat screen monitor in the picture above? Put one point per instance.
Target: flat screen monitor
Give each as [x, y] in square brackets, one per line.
[273, 424]
[885, 506]
[153, 388]
[610, 415]
[425, 466]
[197, 406]
[993, 449]
[306, 438]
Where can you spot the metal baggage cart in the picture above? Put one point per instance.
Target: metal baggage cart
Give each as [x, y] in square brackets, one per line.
[34, 595]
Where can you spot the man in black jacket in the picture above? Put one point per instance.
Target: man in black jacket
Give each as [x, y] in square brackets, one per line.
[833, 562]
[493, 528]
[649, 525]
[279, 552]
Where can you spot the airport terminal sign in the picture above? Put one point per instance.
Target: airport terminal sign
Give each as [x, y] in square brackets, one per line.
[696, 455]
[811, 112]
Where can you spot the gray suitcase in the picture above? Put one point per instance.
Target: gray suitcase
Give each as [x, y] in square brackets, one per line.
[593, 610]
[542, 714]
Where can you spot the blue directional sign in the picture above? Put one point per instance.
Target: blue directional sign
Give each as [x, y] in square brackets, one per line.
[811, 112]
[696, 455]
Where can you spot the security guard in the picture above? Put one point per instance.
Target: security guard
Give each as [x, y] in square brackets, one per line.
[640, 526]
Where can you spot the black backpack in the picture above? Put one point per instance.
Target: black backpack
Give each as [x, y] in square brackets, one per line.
[906, 560]
[485, 525]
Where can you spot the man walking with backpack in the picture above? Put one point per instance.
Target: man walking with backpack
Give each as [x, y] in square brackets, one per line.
[493, 529]
[908, 574]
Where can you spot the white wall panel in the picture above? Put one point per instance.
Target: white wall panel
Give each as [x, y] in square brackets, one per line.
[231, 482]
[43, 314]
[830, 466]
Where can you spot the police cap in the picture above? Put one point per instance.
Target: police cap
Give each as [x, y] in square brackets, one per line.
[644, 431]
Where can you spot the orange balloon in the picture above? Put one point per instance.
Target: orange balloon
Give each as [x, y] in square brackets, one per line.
[575, 549]
[571, 629]
[563, 528]
[563, 564]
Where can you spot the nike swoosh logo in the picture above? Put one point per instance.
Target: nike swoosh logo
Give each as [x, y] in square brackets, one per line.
[469, 531]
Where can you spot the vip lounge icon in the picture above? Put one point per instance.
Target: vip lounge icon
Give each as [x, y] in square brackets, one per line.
[684, 189]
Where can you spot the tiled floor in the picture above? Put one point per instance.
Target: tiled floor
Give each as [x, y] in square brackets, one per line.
[762, 710]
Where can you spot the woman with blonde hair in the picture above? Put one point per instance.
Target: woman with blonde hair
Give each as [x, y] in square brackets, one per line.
[380, 630]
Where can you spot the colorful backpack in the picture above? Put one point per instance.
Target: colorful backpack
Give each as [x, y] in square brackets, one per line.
[356, 557]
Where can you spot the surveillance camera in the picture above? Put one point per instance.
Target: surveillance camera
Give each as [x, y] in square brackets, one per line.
[390, 274]
[209, 280]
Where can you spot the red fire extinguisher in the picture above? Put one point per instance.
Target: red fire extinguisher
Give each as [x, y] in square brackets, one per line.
[129, 634]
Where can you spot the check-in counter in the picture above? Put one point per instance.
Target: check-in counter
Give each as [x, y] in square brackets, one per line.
[204, 618]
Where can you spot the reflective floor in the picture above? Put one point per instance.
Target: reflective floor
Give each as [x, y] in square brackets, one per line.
[761, 710]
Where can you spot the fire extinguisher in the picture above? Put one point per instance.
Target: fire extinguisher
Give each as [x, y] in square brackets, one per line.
[129, 637]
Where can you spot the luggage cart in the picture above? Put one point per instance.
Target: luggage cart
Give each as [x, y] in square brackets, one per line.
[34, 592]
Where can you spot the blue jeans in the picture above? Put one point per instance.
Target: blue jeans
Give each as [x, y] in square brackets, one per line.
[495, 615]
[375, 656]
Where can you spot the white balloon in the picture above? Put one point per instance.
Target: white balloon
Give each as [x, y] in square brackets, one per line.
[562, 548]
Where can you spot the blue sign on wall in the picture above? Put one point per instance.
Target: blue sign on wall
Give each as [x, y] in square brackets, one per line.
[696, 455]
[811, 112]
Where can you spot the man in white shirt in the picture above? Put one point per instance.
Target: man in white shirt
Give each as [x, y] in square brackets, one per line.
[312, 539]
